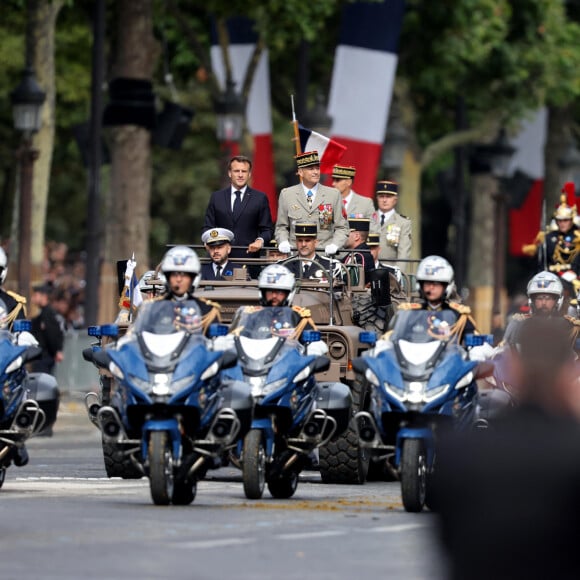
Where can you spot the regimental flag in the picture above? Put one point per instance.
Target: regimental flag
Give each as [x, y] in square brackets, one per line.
[365, 63]
[329, 151]
[130, 298]
[243, 39]
[525, 217]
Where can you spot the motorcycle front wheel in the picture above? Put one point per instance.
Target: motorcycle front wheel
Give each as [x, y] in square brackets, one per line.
[254, 464]
[2, 475]
[283, 487]
[160, 468]
[413, 475]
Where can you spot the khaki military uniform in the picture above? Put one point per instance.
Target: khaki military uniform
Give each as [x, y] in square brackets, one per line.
[326, 212]
[395, 238]
[360, 206]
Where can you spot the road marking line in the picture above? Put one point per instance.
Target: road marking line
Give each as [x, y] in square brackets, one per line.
[399, 528]
[216, 543]
[302, 535]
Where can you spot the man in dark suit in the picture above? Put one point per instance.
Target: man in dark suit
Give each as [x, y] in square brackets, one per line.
[242, 210]
[218, 243]
[306, 241]
[357, 240]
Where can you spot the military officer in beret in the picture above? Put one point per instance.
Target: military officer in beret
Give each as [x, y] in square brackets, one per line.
[218, 243]
[393, 228]
[306, 242]
[312, 202]
[355, 205]
[357, 240]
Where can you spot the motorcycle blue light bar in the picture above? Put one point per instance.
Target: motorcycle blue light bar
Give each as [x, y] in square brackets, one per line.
[311, 336]
[94, 330]
[109, 330]
[478, 339]
[367, 337]
[217, 329]
[22, 326]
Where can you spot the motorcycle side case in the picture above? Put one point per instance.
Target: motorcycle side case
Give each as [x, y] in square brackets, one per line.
[43, 389]
[336, 400]
[238, 396]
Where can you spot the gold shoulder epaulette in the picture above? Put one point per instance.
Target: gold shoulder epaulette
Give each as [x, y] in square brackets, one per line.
[304, 312]
[209, 302]
[409, 306]
[520, 316]
[16, 297]
[461, 308]
[252, 309]
[573, 321]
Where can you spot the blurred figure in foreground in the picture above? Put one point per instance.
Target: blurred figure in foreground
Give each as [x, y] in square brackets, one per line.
[508, 496]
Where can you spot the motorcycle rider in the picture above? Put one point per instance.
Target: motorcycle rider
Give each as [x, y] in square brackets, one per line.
[277, 286]
[436, 287]
[15, 303]
[181, 268]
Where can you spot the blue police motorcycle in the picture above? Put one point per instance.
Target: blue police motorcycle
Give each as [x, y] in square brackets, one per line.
[293, 413]
[168, 412]
[29, 401]
[422, 382]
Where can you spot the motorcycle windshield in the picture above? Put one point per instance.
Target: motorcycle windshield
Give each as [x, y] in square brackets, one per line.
[166, 317]
[424, 326]
[266, 322]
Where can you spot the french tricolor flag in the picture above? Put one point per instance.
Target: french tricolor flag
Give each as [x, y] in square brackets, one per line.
[258, 112]
[363, 77]
[329, 151]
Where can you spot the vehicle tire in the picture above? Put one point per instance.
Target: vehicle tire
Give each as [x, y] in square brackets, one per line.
[254, 464]
[119, 465]
[342, 459]
[283, 487]
[184, 491]
[413, 475]
[160, 468]
[2, 476]
[378, 471]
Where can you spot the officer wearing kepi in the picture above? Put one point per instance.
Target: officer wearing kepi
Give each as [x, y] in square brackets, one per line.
[312, 202]
[355, 205]
[15, 304]
[394, 229]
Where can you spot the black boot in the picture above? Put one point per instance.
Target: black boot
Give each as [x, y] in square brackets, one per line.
[20, 456]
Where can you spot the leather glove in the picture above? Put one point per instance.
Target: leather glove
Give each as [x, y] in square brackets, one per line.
[284, 247]
[331, 249]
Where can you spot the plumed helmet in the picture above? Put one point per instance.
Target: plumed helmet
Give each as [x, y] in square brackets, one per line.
[3, 266]
[181, 259]
[277, 277]
[545, 283]
[565, 211]
[146, 285]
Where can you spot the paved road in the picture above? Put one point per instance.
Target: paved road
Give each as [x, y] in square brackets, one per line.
[60, 517]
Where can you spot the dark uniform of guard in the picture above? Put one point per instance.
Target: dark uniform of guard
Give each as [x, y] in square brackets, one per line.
[47, 330]
[357, 243]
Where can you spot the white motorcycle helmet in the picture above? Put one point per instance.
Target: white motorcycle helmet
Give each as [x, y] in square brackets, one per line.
[146, 282]
[181, 259]
[545, 283]
[3, 266]
[436, 269]
[276, 277]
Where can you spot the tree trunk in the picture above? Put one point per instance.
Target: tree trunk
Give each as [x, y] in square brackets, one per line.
[484, 233]
[128, 207]
[558, 135]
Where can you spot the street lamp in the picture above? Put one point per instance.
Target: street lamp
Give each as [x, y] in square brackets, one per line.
[27, 100]
[497, 156]
[229, 108]
[395, 145]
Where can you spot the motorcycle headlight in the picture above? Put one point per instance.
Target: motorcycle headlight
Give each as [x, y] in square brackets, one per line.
[210, 372]
[302, 375]
[14, 365]
[257, 385]
[273, 386]
[415, 394]
[435, 392]
[116, 371]
[464, 381]
[372, 378]
[161, 384]
[394, 391]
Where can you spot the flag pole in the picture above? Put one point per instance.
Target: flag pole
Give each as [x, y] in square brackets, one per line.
[295, 125]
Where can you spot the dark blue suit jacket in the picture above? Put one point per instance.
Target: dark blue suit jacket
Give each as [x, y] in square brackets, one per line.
[254, 219]
[208, 272]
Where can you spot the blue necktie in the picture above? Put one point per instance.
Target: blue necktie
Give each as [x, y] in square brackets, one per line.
[309, 197]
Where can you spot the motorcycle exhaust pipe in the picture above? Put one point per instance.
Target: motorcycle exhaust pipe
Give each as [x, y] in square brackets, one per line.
[109, 423]
[29, 417]
[225, 426]
[366, 429]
